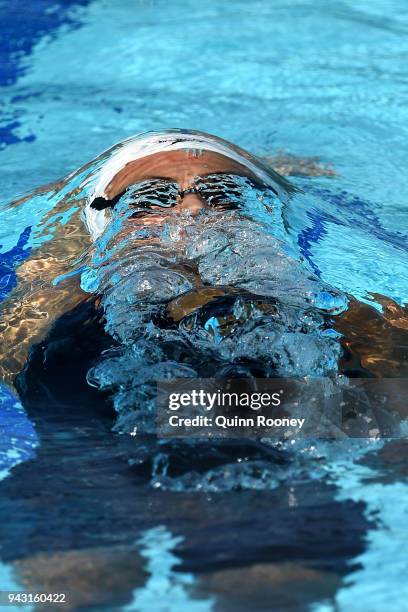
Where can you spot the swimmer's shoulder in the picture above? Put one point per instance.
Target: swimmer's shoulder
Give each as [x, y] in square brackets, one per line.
[374, 342]
[287, 164]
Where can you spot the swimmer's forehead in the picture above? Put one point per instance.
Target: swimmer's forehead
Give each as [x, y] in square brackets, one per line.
[181, 166]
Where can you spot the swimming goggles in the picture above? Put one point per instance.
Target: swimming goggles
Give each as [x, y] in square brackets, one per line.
[220, 191]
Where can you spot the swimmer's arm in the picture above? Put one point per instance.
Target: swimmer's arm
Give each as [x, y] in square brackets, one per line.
[26, 319]
[28, 313]
[396, 315]
[291, 165]
[376, 342]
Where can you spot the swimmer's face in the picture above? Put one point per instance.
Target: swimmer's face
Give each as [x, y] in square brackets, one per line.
[182, 169]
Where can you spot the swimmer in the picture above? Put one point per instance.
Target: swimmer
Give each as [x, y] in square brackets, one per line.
[182, 173]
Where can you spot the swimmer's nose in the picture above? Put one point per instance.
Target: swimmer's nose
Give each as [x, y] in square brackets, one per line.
[191, 203]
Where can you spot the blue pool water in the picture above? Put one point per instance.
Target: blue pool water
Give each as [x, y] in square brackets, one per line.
[326, 79]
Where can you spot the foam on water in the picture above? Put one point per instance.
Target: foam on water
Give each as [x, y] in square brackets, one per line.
[140, 269]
